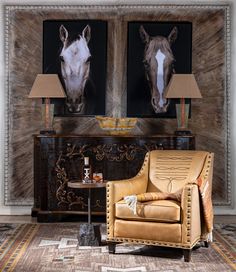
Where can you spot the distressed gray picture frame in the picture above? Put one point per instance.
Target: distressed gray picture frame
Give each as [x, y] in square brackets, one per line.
[22, 117]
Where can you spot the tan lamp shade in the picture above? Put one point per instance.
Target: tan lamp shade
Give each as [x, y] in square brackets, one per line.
[183, 86]
[47, 86]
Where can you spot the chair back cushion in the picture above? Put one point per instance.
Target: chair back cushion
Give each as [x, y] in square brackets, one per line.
[170, 170]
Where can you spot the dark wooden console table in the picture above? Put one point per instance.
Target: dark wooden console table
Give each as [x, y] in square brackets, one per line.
[58, 159]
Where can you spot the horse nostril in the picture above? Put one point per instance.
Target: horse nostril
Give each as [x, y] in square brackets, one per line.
[61, 58]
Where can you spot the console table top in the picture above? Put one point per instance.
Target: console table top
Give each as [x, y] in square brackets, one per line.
[111, 136]
[80, 185]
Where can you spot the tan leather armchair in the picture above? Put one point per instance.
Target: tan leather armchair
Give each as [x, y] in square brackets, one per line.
[164, 222]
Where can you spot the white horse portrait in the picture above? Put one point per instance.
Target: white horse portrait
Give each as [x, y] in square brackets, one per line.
[75, 59]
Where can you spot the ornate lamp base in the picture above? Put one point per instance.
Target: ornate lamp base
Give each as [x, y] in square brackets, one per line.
[47, 116]
[182, 113]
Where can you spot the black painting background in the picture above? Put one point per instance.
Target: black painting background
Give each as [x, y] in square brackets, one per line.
[95, 88]
[138, 92]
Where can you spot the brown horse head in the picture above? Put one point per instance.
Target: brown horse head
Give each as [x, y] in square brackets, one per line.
[158, 63]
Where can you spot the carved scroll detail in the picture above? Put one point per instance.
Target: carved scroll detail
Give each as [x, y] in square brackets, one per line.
[65, 197]
[116, 152]
[110, 152]
[62, 180]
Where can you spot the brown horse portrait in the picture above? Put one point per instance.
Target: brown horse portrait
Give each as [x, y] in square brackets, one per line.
[158, 62]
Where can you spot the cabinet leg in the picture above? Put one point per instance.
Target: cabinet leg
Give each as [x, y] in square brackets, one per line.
[112, 248]
[34, 212]
[187, 255]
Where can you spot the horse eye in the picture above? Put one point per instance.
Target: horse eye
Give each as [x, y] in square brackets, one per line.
[61, 58]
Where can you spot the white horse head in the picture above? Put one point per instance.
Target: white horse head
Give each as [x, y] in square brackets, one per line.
[158, 63]
[75, 66]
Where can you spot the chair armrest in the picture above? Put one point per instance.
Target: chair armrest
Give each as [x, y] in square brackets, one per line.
[191, 218]
[116, 190]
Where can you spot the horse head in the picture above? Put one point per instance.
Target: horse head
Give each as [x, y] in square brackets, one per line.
[158, 63]
[75, 66]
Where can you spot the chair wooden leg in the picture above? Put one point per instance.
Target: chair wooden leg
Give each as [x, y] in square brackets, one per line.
[206, 244]
[187, 255]
[112, 248]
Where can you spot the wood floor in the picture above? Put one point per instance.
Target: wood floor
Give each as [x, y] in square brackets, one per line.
[227, 219]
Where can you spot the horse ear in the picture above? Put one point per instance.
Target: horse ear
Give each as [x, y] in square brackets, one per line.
[63, 33]
[143, 34]
[87, 33]
[173, 35]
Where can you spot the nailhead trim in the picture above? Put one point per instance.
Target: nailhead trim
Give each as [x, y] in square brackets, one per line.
[188, 213]
[154, 243]
[108, 210]
[144, 165]
[206, 170]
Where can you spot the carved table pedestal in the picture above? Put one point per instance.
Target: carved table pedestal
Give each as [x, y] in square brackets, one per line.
[89, 234]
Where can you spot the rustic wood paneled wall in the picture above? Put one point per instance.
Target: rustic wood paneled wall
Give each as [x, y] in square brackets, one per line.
[23, 34]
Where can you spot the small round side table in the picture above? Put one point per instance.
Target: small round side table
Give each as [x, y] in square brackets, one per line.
[89, 234]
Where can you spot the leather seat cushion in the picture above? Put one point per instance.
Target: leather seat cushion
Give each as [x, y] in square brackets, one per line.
[154, 231]
[158, 210]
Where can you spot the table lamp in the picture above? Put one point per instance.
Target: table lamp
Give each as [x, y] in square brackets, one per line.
[47, 86]
[182, 86]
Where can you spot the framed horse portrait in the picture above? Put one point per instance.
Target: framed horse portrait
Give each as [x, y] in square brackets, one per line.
[76, 51]
[156, 50]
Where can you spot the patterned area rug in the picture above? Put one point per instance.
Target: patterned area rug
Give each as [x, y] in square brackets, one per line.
[54, 248]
